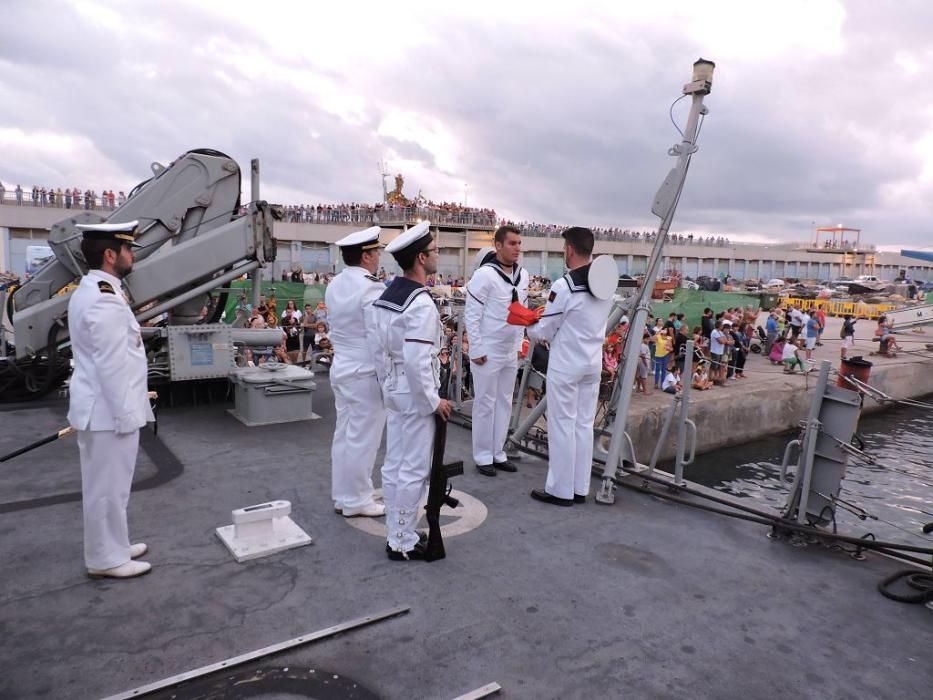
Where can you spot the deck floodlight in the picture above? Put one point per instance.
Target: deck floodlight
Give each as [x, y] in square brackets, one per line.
[702, 78]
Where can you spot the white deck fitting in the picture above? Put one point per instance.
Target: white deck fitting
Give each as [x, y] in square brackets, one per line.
[261, 530]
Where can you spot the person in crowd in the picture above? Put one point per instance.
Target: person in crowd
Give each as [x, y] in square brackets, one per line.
[644, 360]
[681, 336]
[791, 356]
[707, 323]
[443, 357]
[320, 312]
[353, 374]
[811, 330]
[718, 342]
[700, 345]
[406, 332]
[308, 327]
[820, 315]
[885, 336]
[610, 358]
[574, 323]
[292, 338]
[728, 358]
[776, 355]
[109, 399]
[672, 384]
[740, 349]
[291, 309]
[700, 379]
[497, 282]
[847, 334]
[794, 321]
[771, 332]
[663, 344]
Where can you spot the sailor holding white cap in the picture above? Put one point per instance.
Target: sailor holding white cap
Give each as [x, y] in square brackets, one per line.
[574, 323]
[357, 395]
[498, 282]
[109, 401]
[408, 332]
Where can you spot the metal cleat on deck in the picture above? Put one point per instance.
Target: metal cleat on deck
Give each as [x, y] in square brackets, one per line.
[262, 529]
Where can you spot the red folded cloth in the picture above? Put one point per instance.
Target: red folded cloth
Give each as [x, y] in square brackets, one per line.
[523, 316]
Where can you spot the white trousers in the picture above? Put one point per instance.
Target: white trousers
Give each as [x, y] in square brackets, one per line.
[360, 419]
[571, 410]
[409, 446]
[108, 461]
[493, 384]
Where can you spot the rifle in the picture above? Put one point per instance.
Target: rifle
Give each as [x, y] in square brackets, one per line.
[439, 491]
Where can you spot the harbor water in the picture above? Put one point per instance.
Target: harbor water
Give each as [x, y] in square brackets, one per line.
[896, 491]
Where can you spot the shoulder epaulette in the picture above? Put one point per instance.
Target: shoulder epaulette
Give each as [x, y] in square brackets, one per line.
[105, 287]
[373, 278]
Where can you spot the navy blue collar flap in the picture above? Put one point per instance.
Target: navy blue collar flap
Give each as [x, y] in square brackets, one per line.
[399, 294]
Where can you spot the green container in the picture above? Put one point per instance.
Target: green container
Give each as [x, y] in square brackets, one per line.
[768, 300]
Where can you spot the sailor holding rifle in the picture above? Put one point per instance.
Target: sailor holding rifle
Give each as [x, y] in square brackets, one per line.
[574, 323]
[494, 346]
[407, 332]
[109, 402]
[357, 395]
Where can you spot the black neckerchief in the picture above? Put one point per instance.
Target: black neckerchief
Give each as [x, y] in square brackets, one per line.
[579, 279]
[511, 281]
[399, 294]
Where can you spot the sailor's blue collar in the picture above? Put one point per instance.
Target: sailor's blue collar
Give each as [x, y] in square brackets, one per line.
[579, 279]
[399, 294]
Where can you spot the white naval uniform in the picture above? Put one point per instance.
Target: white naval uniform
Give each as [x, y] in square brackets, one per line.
[408, 332]
[108, 406]
[574, 323]
[489, 293]
[357, 395]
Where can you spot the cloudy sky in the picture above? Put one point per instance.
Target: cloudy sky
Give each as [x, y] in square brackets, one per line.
[821, 111]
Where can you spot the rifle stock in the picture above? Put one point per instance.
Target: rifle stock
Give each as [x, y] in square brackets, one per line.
[438, 491]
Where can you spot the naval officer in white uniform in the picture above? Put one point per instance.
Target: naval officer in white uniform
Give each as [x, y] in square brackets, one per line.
[407, 331]
[494, 346]
[574, 323]
[357, 395]
[109, 400]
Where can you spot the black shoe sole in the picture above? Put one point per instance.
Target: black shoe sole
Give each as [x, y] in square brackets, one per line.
[545, 497]
[505, 467]
[486, 469]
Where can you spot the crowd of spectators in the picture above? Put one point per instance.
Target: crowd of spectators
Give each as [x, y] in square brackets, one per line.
[70, 198]
[536, 230]
[356, 213]
[721, 344]
[304, 333]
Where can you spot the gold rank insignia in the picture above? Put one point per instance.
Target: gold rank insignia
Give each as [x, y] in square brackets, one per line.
[105, 287]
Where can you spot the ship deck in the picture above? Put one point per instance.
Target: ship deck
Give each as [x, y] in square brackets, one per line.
[642, 599]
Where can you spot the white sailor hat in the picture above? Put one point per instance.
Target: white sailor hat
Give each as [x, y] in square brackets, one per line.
[416, 238]
[367, 239]
[483, 255]
[124, 232]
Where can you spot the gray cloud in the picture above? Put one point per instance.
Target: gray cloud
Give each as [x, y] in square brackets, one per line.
[566, 126]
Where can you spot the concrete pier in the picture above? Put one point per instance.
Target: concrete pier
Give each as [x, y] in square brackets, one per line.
[769, 401]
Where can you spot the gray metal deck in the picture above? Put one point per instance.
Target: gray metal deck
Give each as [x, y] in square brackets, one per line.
[644, 599]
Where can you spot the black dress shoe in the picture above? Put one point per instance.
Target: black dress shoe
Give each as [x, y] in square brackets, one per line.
[422, 539]
[486, 469]
[415, 553]
[577, 498]
[505, 466]
[545, 497]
